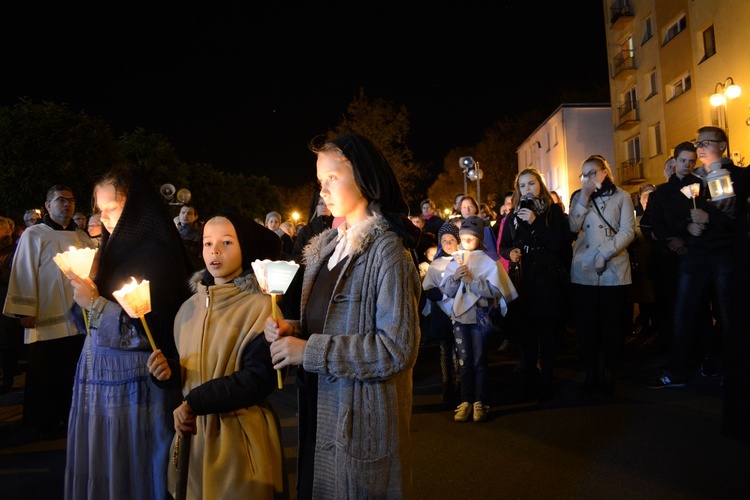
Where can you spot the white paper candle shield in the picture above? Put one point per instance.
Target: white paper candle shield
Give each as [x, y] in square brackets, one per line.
[76, 260]
[135, 298]
[274, 277]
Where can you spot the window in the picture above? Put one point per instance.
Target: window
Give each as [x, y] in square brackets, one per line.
[546, 138]
[555, 134]
[655, 138]
[648, 30]
[629, 101]
[675, 28]
[709, 43]
[651, 84]
[679, 87]
[634, 148]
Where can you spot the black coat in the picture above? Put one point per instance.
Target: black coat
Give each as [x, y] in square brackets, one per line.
[540, 278]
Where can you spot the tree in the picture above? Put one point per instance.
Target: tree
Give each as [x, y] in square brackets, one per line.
[155, 156]
[387, 127]
[212, 190]
[497, 159]
[46, 144]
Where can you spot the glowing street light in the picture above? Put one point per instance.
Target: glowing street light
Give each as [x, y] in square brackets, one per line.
[472, 171]
[719, 100]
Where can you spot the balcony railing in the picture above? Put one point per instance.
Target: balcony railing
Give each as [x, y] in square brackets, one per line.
[628, 115]
[631, 171]
[623, 64]
[621, 14]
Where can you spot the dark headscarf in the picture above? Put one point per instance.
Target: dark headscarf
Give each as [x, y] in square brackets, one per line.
[256, 241]
[145, 244]
[377, 182]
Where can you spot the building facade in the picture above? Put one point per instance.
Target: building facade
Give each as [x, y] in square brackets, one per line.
[666, 59]
[558, 147]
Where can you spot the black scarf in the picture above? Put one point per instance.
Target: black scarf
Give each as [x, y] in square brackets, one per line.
[378, 183]
[608, 187]
[256, 242]
[145, 244]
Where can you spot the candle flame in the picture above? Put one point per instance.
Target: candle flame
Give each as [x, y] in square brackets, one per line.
[135, 298]
[76, 260]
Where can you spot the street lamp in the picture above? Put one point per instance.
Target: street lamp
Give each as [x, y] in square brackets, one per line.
[472, 171]
[719, 100]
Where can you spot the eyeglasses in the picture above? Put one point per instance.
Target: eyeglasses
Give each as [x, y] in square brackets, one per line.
[61, 199]
[704, 143]
[589, 175]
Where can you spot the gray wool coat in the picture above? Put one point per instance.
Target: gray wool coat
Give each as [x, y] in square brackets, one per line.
[364, 359]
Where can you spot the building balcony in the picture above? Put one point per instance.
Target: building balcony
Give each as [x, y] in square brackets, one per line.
[628, 116]
[631, 172]
[621, 15]
[623, 65]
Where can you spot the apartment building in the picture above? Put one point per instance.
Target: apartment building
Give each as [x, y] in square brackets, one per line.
[666, 60]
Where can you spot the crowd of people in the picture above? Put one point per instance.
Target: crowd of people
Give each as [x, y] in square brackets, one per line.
[375, 284]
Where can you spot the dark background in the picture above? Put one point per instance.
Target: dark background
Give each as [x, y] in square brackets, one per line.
[246, 88]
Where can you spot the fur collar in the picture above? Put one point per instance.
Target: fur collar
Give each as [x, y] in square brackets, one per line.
[376, 226]
[246, 282]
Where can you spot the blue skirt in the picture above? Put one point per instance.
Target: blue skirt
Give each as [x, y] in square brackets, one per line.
[120, 427]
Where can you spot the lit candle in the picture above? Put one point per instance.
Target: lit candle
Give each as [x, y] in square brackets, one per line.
[274, 278]
[76, 261]
[135, 299]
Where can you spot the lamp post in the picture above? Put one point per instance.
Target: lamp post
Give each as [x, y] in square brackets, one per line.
[719, 100]
[471, 170]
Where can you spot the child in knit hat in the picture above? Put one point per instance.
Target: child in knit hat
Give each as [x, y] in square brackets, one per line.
[475, 281]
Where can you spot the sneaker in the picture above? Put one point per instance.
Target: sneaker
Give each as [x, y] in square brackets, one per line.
[666, 379]
[709, 368]
[463, 412]
[480, 412]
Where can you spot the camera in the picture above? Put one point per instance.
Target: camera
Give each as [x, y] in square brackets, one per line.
[527, 201]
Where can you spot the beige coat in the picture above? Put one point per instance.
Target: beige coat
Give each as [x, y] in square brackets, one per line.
[236, 454]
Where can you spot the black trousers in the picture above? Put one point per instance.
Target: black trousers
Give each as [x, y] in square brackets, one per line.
[602, 318]
[49, 381]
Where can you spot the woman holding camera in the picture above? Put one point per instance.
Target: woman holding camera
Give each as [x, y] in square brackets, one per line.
[602, 214]
[533, 238]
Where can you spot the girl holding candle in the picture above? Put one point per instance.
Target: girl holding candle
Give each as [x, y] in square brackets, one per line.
[475, 282]
[225, 367]
[120, 427]
[358, 332]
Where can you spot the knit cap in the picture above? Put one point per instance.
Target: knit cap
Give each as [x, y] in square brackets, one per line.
[449, 228]
[474, 226]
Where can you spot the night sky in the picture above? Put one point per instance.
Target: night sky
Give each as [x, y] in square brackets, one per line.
[246, 88]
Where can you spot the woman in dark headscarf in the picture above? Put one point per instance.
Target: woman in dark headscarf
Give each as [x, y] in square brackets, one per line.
[120, 425]
[363, 345]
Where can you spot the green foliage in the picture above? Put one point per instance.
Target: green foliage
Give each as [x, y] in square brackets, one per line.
[497, 158]
[46, 144]
[154, 155]
[212, 190]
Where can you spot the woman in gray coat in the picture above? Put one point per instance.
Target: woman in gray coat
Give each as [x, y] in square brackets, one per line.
[602, 214]
[358, 332]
